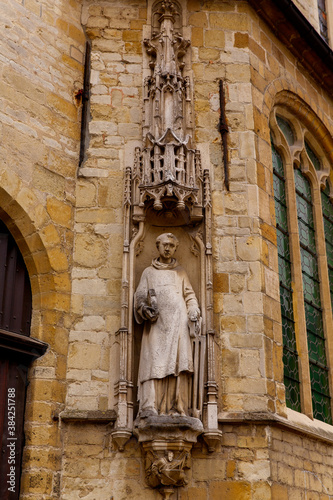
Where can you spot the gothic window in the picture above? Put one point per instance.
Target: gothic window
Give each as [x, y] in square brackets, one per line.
[304, 228]
[290, 355]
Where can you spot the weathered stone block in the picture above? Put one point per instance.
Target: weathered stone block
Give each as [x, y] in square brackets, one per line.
[248, 248]
[89, 250]
[229, 490]
[84, 355]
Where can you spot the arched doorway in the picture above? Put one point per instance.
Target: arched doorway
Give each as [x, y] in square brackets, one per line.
[17, 351]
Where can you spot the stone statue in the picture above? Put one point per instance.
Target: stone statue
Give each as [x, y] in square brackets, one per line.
[167, 304]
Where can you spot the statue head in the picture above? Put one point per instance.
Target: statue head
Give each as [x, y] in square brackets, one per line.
[166, 244]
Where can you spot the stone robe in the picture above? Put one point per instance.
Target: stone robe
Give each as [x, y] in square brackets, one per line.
[166, 348]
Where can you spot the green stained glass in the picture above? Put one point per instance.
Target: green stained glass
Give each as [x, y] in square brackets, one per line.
[290, 355]
[306, 233]
[314, 320]
[316, 346]
[281, 216]
[304, 208]
[327, 203]
[320, 393]
[310, 264]
[311, 289]
[289, 339]
[283, 246]
[322, 407]
[291, 379]
[330, 278]
[302, 185]
[313, 157]
[286, 129]
[279, 189]
[328, 228]
[284, 271]
[321, 401]
[277, 162]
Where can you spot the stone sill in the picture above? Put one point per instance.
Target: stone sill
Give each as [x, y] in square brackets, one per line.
[86, 416]
[296, 422]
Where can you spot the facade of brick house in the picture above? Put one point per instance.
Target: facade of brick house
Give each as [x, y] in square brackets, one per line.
[73, 117]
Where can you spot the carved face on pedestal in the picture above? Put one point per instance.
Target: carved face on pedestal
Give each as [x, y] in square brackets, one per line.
[167, 245]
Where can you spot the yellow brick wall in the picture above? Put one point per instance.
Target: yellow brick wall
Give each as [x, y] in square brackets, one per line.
[114, 132]
[228, 41]
[254, 462]
[41, 56]
[69, 227]
[300, 465]
[239, 470]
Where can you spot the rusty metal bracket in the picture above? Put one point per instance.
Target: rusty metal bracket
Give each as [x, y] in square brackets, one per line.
[223, 129]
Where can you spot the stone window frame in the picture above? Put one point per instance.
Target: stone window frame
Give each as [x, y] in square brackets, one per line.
[329, 12]
[296, 155]
[322, 19]
[329, 20]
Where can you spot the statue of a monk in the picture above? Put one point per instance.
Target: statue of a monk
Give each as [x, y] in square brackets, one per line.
[167, 304]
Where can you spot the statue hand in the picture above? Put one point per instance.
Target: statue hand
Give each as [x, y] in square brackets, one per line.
[195, 325]
[150, 313]
[193, 314]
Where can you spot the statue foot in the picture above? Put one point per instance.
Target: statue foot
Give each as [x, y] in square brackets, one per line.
[150, 412]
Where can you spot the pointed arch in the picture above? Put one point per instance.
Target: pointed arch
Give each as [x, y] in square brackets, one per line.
[37, 236]
[40, 234]
[290, 94]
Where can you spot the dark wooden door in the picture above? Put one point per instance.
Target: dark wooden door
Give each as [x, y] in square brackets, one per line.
[15, 290]
[13, 376]
[17, 351]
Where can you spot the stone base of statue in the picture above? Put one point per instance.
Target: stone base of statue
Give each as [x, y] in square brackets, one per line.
[167, 427]
[167, 442]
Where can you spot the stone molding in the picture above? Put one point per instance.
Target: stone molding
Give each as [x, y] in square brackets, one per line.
[265, 418]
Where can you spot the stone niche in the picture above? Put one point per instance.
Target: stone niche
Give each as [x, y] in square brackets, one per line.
[166, 393]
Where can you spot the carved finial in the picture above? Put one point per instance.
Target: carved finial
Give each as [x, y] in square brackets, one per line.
[170, 170]
[168, 10]
[137, 174]
[207, 192]
[127, 190]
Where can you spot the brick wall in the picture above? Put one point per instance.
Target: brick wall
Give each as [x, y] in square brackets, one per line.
[41, 54]
[69, 226]
[228, 41]
[255, 462]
